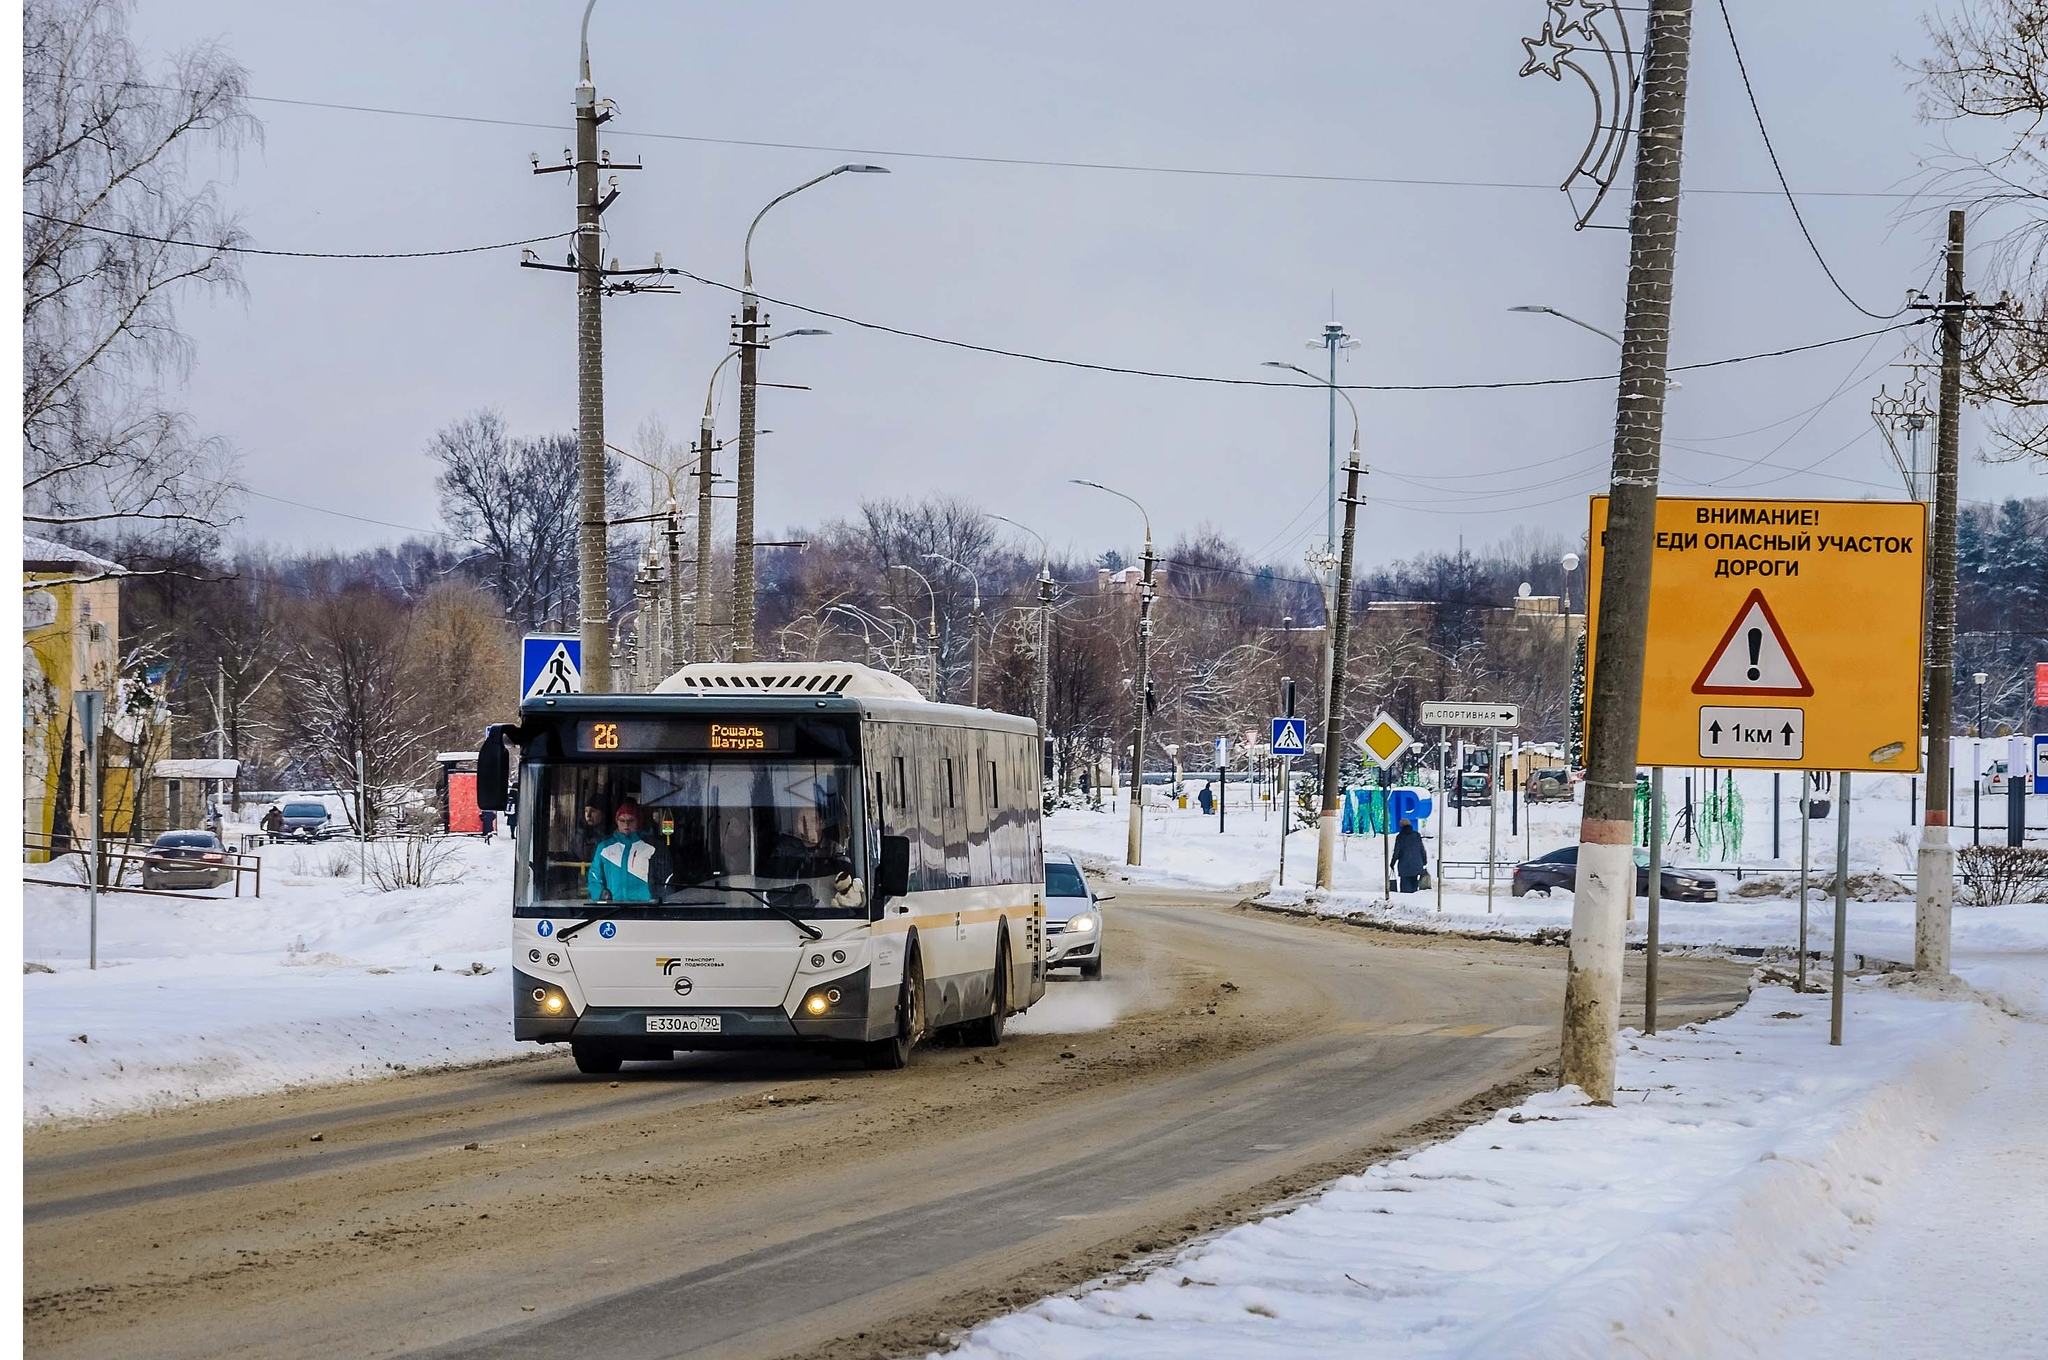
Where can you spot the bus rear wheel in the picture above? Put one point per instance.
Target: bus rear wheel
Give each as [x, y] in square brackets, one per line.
[988, 1031]
[893, 1053]
[594, 1060]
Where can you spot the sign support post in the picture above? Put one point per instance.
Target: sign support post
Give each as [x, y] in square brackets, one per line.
[1656, 898]
[1492, 808]
[1443, 794]
[90, 704]
[1841, 910]
[1805, 840]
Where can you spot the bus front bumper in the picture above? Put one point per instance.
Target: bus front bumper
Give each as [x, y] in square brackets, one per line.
[836, 1010]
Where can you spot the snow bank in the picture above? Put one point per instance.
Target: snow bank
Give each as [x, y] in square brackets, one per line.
[204, 996]
[1741, 1162]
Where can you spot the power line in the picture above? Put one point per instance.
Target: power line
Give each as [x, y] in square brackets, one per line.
[1126, 371]
[295, 254]
[1030, 162]
[343, 514]
[1797, 216]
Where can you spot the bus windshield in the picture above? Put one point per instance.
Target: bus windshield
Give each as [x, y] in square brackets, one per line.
[694, 832]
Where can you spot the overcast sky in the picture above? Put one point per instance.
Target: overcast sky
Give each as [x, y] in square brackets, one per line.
[331, 377]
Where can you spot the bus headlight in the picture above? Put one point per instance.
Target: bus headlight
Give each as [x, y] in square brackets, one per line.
[817, 1004]
[549, 1001]
[1080, 923]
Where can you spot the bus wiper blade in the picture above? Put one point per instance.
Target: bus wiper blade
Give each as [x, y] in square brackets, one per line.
[566, 931]
[759, 895]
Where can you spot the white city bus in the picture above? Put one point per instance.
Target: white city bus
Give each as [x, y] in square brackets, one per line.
[769, 854]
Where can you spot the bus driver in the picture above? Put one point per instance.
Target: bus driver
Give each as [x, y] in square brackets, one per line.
[622, 866]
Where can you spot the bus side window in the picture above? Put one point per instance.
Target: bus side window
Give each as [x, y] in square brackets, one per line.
[980, 868]
[1003, 814]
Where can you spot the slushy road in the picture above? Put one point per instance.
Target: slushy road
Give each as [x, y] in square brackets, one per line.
[731, 1205]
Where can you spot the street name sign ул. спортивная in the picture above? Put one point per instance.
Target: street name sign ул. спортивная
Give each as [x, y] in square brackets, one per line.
[1781, 633]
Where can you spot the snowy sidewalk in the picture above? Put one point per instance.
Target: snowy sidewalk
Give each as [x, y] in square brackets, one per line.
[1743, 1162]
[1959, 1258]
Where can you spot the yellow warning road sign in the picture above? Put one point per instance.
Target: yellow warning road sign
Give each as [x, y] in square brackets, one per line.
[1782, 633]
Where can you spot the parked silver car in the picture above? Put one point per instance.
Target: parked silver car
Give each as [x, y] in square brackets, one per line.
[186, 859]
[1073, 918]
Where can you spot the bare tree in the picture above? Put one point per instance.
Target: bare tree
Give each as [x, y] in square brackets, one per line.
[349, 690]
[113, 230]
[1989, 68]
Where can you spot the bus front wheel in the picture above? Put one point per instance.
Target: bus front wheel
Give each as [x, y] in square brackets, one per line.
[593, 1060]
[887, 1055]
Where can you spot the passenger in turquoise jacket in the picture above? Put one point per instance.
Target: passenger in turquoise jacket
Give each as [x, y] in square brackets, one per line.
[622, 866]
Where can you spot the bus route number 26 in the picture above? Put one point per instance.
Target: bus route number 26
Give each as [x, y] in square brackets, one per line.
[604, 736]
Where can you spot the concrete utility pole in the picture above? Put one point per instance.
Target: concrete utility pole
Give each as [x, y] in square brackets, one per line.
[592, 555]
[1607, 871]
[937, 694]
[1333, 749]
[1934, 888]
[1134, 850]
[749, 343]
[673, 531]
[587, 264]
[700, 634]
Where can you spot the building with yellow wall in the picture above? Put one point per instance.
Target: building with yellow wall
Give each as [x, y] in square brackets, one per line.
[71, 640]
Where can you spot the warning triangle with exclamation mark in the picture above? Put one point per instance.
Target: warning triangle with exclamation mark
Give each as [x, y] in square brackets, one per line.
[1754, 657]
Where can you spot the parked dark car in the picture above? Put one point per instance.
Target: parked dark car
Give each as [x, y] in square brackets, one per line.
[1560, 869]
[186, 859]
[307, 820]
[1471, 788]
[1549, 786]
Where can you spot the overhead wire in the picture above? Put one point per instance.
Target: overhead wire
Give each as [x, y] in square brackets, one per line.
[297, 254]
[1215, 380]
[1797, 216]
[1029, 162]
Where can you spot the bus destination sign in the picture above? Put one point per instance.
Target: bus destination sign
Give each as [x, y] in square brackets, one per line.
[637, 736]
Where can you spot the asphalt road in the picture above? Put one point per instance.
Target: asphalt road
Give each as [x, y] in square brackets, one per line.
[747, 1206]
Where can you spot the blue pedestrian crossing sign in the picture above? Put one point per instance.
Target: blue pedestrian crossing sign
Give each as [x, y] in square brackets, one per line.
[1290, 736]
[549, 663]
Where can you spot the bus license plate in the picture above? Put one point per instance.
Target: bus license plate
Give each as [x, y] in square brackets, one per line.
[683, 1024]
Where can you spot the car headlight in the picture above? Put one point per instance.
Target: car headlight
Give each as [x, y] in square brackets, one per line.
[1080, 924]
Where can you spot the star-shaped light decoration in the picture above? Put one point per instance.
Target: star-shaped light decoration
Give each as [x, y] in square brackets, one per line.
[1545, 52]
[1567, 22]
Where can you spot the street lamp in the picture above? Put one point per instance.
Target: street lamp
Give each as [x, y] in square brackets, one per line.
[1134, 852]
[1327, 558]
[1541, 310]
[973, 622]
[1045, 585]
[932, 635]
[701, 641]
[749, 347]
[1980, 677]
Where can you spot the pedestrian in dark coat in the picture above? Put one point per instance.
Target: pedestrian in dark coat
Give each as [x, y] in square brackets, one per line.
[1410, 858]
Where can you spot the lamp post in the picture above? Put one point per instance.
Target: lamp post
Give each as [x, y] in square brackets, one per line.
[1980, 677]
[932, 626]
[749, 347]
[1045, 587]
[1539, 309]
[1134, 852]
[974, 623]
[1338, 644]
[701, 641]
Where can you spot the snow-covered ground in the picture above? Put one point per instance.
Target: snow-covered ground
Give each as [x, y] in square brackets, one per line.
[1184, 847]
[1752, 1191]
[204, 996]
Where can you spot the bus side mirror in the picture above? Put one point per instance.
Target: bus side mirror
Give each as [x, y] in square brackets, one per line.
[493, 772]
[892, 870]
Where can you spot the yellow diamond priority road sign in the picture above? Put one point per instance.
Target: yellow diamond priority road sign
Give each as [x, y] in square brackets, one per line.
[1383, 740]
[1782, 633]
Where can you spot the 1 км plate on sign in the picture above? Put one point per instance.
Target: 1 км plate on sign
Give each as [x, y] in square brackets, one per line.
[1781, 633]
